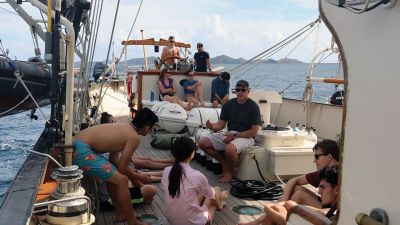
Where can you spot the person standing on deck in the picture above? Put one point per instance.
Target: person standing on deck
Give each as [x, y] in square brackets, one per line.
[169, 51]
[116, 139]
[220, 89]
[243, 117]
[202, 59]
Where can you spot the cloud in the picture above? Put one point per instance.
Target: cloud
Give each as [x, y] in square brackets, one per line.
[306, 4]
[237, 29]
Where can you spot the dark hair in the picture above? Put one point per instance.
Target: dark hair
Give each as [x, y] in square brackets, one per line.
[181, 149]
[188, 72]
[330, 174]
[144, 117]
[225, 76]
[104, 117]
[328, 146]
[162, 72]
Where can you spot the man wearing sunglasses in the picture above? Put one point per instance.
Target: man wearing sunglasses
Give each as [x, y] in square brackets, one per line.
[242, 115]
[169, 51]
[326, 153]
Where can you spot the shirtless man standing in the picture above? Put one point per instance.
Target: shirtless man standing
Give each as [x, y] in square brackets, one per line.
[170, 50]
[116, 139]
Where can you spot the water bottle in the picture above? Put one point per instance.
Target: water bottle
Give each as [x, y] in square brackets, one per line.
[289, 127]
[296, 130]
[311, 135]
[152, 96]
[303, 130]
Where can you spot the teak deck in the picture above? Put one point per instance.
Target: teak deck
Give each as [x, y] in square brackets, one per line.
[157, 207]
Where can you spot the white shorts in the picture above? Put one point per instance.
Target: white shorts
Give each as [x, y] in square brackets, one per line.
[241, 144]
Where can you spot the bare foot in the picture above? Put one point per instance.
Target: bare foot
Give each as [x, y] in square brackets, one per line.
[189, 106]
[226, 178]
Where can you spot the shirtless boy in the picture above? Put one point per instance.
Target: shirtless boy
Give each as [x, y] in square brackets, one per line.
[116, 139]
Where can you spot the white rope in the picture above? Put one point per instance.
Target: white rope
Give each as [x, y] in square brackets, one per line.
[22, 101]
[46, 155]
[18, 76]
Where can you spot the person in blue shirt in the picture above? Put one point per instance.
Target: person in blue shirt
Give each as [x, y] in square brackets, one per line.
[220, 89]
[193, 90]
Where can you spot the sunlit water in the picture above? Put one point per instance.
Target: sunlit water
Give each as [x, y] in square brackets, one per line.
[18, 132]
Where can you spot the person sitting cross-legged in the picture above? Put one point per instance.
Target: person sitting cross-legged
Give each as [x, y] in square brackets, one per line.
[242, 115]
[189, 199]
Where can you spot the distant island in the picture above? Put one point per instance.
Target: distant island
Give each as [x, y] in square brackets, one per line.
[224, 59]
[221, 59]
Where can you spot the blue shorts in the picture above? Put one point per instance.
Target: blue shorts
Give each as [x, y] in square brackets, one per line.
[92, 164]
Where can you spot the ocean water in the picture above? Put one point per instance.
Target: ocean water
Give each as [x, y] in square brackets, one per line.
[18, 132]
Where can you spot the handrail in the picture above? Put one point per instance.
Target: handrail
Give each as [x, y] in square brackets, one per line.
[70, 40]
[88, 203]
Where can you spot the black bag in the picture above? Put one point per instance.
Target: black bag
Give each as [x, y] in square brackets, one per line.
[337, 98]
[164, 141]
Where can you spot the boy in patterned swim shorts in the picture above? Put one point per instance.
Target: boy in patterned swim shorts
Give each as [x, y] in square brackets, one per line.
[120, 141]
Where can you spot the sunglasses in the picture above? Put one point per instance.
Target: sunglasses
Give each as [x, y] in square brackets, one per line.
[171, 41]
[316, 156]
[241, 89]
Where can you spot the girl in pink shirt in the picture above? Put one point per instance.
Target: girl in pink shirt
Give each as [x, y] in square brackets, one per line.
[188, 196]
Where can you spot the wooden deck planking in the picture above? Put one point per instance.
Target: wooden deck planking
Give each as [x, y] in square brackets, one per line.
[157, 207]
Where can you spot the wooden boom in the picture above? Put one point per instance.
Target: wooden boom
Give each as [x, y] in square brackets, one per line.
[151, 41]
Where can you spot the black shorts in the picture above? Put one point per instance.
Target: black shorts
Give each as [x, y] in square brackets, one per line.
[160, 97]
[136, 195]
[213, 98]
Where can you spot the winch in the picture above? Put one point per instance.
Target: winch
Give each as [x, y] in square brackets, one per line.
[70, 206]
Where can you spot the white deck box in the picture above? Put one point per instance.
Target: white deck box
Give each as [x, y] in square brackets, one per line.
[286, 162]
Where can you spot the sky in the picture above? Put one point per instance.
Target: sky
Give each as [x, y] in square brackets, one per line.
[237, 28]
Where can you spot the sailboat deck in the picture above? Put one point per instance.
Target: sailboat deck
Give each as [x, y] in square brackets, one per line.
[157, 207]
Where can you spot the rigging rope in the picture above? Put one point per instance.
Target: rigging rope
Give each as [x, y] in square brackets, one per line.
[18, 104]
[18, 76]
[117, 59]
[290, 38]
[349, 4]
[130, 31]
[287, 55]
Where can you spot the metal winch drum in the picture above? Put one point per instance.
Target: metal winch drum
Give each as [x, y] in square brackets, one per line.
[76, 207]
